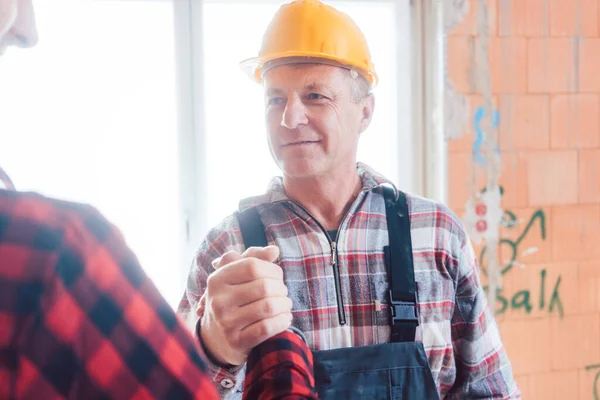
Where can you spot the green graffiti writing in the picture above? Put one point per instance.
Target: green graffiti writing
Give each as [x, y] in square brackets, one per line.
[522, 300]
[510, 221]
[596, 384]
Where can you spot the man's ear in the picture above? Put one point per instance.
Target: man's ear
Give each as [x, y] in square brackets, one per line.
[367, 109]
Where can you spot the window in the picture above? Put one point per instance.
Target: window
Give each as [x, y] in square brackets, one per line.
[89, 115]
[238, 160]
[108, 110]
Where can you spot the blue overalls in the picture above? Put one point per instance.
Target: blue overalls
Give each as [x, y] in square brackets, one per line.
[395, 370]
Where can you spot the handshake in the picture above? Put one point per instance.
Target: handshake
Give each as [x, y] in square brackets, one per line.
[244, 304]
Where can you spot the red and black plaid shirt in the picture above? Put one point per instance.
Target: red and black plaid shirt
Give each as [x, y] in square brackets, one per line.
[80, 319]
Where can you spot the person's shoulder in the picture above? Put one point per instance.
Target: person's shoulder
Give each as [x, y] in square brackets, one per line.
[35, 208]
[429, 213]
[42, 238]
[41, 220]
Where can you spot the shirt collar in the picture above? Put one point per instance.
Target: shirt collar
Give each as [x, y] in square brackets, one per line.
[275, 193]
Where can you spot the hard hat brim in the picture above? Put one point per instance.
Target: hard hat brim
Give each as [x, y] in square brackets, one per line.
[253, 67]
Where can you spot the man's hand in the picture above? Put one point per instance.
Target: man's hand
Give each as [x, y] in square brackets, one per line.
[245, 303]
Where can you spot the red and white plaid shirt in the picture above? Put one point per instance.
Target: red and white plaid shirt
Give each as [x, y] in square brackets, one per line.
[457, 329]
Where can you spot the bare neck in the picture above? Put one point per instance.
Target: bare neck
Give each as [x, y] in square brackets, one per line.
[327, 198]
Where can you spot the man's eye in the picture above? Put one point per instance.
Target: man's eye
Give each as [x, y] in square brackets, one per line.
[315, 96]
[274, 101]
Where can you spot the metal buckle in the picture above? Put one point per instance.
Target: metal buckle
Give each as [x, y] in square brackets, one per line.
[403, 311]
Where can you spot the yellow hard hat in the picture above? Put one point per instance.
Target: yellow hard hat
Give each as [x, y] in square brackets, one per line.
[310, 29]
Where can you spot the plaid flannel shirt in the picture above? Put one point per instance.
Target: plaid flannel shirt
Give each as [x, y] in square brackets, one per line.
[80, 319]
[349, 308]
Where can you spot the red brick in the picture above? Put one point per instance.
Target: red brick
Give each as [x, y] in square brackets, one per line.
[552, 177]
[508, 64]
[459, 57]
[464, 143]
[514, 179]
[523, 18]
[464, 180]
[552, 65]
[589, 176]
[575, 342]
[589, 65]
[589, 287]
[528, 353]
[506, 58]
[469, 26]
[589, 382]
[555, 385]
[523, 381]
[524, 122]
[574, 17]
[575, 121]
[575, 232]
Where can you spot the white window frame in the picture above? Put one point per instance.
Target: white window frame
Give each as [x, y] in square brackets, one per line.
[427, 162]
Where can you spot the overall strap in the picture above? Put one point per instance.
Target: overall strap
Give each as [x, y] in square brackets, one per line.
[253, 230]
[400, 268]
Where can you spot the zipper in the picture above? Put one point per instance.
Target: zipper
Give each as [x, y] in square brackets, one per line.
[338, 285]
[334, 263]
[333, 244]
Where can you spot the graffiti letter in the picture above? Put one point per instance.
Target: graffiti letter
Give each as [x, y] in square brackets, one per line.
[543, 290]
[556, 299]
[521, 299]
[504, 302]
[595, 388]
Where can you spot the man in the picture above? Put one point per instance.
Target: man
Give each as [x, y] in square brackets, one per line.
[384, 285]
[79, 319]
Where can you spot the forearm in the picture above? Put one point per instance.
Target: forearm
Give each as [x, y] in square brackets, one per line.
[225, 378]
[280, 368]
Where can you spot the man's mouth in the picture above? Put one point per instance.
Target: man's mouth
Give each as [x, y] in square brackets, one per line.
[300, 143]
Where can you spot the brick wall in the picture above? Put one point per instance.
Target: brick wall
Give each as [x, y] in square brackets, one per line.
[544, 59]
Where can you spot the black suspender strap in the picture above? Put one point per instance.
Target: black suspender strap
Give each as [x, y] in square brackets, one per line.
[398, 258]
[253, 230]
[400, 267]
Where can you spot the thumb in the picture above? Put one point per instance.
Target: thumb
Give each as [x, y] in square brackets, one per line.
[269, 253]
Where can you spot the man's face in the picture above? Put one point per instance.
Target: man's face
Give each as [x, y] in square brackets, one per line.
[17, 24]
[314, 119]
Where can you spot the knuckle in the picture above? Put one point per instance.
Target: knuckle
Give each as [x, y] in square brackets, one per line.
[253, 268]
[269, 307]
[284, 289]
[263, 287]
[211, 282]
[264, 329]
[228, 258]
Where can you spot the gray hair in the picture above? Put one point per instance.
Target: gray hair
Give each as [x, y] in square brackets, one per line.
[361, 87]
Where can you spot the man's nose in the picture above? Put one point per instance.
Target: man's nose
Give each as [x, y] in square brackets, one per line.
[294, 114]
